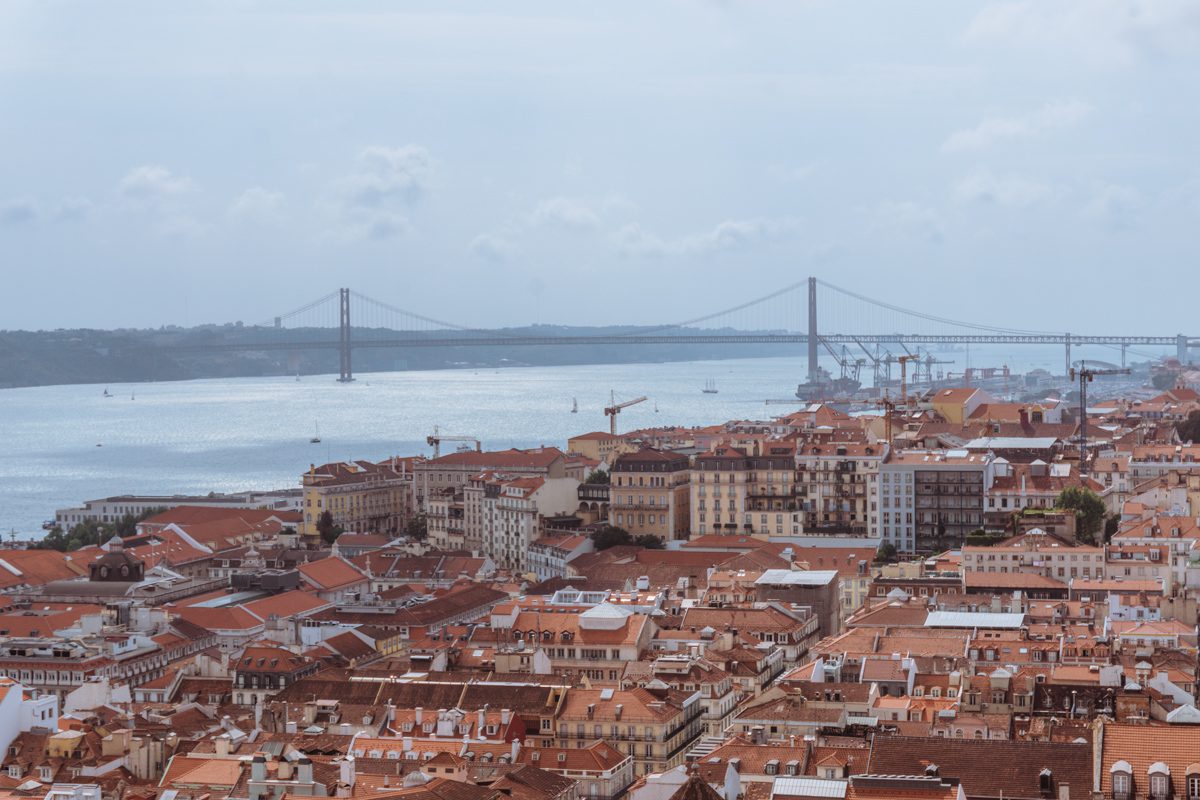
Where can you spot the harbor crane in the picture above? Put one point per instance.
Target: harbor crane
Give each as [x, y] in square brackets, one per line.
[614, 408]
[1086, 375]
[435, 441]
[903, 360]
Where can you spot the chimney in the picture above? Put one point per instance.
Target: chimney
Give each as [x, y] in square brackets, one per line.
[284, 771]
[258, 767]
[505, 716]
[222, 744]
[931, 771]
[304, 772]
[346, 774]
[1064, 791]
[516, 748]
[420, 714]
[481, 716]
[406, 743]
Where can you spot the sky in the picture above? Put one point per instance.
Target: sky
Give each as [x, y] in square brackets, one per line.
[1030, 164]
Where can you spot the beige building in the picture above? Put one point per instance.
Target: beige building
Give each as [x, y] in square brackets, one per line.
[361, 496]
[835, 486]
[455, 470]
[598, 446]
[655, 726]
[648, 494]
[751, 491]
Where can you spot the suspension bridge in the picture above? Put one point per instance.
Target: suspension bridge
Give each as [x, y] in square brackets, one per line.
[850, 326]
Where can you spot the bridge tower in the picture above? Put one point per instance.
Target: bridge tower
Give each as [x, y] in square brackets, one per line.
[1181, 349]
[812, 331]
[346, 372]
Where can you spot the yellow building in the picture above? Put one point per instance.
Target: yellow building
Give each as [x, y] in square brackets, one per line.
[648, 494]
[598, 445]
[362, 497]
[955, 405]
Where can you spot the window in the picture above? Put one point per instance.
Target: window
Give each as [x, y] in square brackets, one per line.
[1193, 786]
[1120, 782]
[1158, 786]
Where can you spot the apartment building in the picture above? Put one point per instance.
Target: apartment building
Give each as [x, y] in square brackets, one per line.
[929, 500]
[362, 497]
[455, 470]
[648, 494]
[739, 490]
[1036, 553]
[835, 487]
[655, 726]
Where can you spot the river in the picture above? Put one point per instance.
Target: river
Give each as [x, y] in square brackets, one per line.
[66, 444]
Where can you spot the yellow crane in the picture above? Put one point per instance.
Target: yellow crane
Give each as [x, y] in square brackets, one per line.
[614, 408]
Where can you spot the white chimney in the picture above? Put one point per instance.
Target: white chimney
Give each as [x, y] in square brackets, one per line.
[346, 774]
[406, 743]
[482, 717]
[420, 714]
[505, 716]
[516, 748]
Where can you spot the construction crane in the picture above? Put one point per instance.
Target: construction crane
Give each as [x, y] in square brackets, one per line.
[435, 441]
[903, 360]
[614, 408]
[1085, 375]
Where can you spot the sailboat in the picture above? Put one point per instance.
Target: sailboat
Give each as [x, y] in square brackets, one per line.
[132, 396]
[710, 386]
[316, 439]
[106, 394]
[574, 406]
[655, 406]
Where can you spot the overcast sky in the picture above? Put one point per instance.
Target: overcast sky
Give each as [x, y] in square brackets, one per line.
[1028, 163]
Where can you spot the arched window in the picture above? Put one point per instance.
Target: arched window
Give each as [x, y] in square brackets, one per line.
[1160, 780]
[1122, 780]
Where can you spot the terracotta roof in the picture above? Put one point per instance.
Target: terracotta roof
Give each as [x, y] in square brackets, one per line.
[597, 757]
[331, 573]
[286, 604]
[989, 767]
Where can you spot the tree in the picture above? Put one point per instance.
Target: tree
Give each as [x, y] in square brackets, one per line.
[649, 541]
[597, 476]
[1110, 526]
[886, 553]
[1163, 380]
[1089, 511]
[1189, 429]
[610, 536]
[417, 528]
[329, 532]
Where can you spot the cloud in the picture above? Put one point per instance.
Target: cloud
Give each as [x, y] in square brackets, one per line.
[1102, 31]
[983, 187]
[998, 129]
[18, 212]
[153, 182]
[387, 175]
[730, 235]
[1114, 206]
[258, 204]
[490, 248]
[910, 220]
[73, 209]
[565, 212]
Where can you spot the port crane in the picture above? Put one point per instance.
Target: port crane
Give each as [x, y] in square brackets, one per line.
[435, 441]
[614, 408]
[1086, 375]
[903, 361]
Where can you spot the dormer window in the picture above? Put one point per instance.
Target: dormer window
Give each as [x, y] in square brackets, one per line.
[1160, 780]
[1122, 780]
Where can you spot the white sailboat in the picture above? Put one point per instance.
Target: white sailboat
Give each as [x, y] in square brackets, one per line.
[710, 386]
[574, 406]
[316, 439]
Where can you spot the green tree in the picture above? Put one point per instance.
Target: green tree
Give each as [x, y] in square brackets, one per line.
[417, 528]
[649, 541]
[1163, 380]
[610, 536]
[597, 476]
[1110, 526]
[325, 527]
[1089, 511]
[1189, 429]
[887, 553]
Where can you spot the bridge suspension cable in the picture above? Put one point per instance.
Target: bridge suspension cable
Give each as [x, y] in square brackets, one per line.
[932, 317]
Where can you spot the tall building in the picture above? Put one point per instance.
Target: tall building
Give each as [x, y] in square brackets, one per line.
[648, 494]
[455, 470]
[929, 500]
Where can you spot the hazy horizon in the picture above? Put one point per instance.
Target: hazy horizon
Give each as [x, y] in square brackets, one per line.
[1020, 163]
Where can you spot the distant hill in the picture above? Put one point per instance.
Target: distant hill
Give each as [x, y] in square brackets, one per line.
[41, 358]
